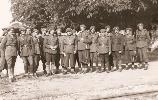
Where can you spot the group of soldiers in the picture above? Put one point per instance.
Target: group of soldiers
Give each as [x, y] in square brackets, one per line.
[86, 48]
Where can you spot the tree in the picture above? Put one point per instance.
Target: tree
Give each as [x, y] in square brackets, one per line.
[69, 12]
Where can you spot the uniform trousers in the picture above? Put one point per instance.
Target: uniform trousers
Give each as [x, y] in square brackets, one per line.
[104, 58]
[36, 61]
[28, 64]
[70, 58]
[142, 54]
[93, 58]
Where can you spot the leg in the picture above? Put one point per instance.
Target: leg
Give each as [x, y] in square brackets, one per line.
[114, 55]
[72, 65]
[43, 59]
[67, 61]
[140, 58]
[107, 67]
[36, 63]
[11, 64]
[145, 57]
[80, 56]
[31, 66]
[25, 61]
[91, 61]
[48, 60]
[54, 68]
[102, 59]
[62, 59]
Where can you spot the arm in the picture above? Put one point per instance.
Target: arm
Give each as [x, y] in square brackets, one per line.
[3, 43]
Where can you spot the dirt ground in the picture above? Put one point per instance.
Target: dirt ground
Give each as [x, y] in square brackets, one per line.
[82, 86]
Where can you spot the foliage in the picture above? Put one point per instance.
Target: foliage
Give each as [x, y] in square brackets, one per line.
[55, 12]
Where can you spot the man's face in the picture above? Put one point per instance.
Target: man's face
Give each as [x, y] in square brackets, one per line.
[28, 31]
[5, 30]
[108, 29]
[35, 31]
[69, 33]
[116, 31]
[43, 30]
[140, 27]
[23, 32]
[52, 32]
[82, 28]
[93, 30]
[11, 31]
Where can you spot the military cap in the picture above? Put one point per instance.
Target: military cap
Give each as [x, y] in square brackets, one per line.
[73, 31]
[140, 24]
[22, 29]
[92, 27]
[130, 29]
[102, 30]
[116, 28]
[108, 26]
[5, 28]
[68, 30]
[83, 25]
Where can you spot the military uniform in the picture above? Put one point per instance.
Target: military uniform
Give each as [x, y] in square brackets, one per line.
[104, 47]
[51, 44]
[10, 45]
[60, 52]
[83, 43]
[37, 52]
[3, 64]
[27, 50]
[117, 49]
[93, 49]
[142, 43]
[130, 49]
[70, 48]
[42, 55]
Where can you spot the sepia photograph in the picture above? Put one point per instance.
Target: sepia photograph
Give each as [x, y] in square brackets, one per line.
[78, 49]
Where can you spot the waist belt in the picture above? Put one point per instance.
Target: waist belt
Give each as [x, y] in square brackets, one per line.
[10, 45]
[26, 46]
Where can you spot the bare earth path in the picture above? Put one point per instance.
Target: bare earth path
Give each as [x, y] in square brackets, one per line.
[83, 87]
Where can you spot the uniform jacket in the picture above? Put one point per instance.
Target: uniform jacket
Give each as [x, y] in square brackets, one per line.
[51, 41]
[83, 40]
[69, 44]
[10, 45]
[142, 38]
[26, 45]
[61, 48]
[93, 42]
[104, 44]
[117, 42]
[37, 46]
[130, 43]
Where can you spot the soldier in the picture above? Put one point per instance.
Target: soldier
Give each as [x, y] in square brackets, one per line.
[44, 33]
[109, 34]
[60, 55]
[93, 49]
[130, 49]
[117, 49]
[37, 52]
[75, 33]
[3, 64]
[104, 50]
[26, 45]
[10, 45]
[51, 44]
[154, 40]
[83, 42]
[70, 49]
[142, 43]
